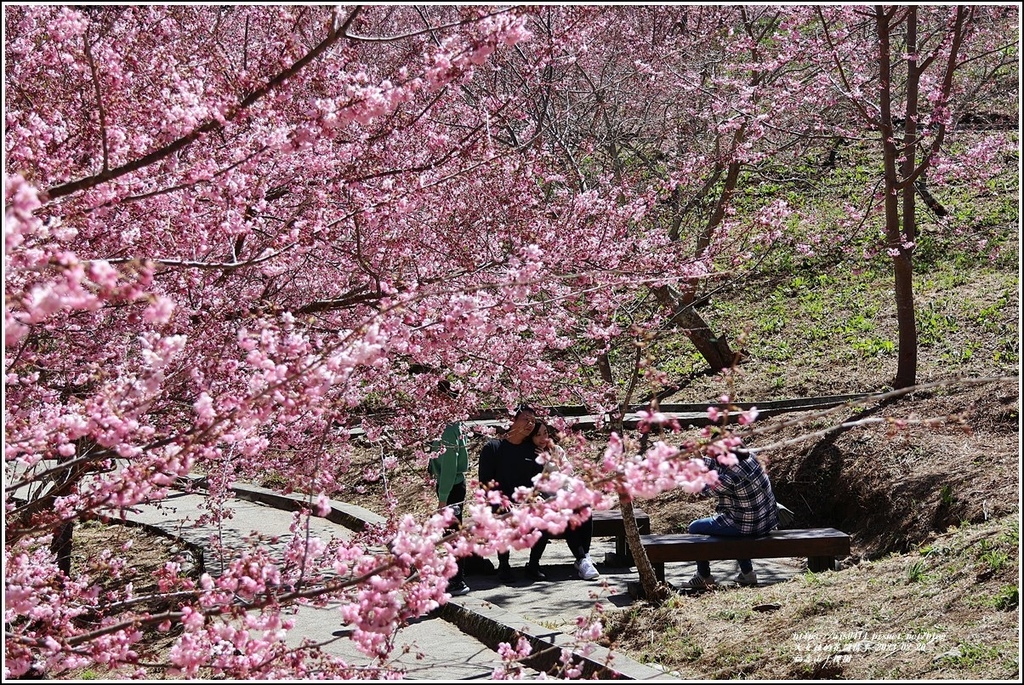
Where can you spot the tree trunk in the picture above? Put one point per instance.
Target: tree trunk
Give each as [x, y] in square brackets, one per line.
[654, 590]
[714, 349]
[63, 533]
[61, 546]
[921, 185]
[906, 372]
[732, 178]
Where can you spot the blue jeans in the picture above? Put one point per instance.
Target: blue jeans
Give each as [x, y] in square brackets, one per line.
[713, 525]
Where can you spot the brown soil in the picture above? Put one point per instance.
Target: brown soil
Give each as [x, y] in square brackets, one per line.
[933, 512]
[146, 553]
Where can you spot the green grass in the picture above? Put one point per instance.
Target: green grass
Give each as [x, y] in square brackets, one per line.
[934, 324]
[1007, 599]
[812, 579]
[917, 572]
[687, 649]
[946, 496]
[989, 317]
[873, 347]
[842, 316]
[826, 323]
[969, 655]
[921, 596]
[1010, 536]
[273, 480]
[819, 605]
[995, 559]
[733, 614]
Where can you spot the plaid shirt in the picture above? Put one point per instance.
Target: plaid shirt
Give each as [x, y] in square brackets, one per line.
[745, 497]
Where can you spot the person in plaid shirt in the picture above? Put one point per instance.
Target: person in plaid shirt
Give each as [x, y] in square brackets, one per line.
[746, 506]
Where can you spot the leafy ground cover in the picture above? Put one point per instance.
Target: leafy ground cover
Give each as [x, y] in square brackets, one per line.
[948, 609]
[934, 519]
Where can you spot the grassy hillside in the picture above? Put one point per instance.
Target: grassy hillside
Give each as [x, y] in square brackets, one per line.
[815, 313]
[930, 495]
[947, 610]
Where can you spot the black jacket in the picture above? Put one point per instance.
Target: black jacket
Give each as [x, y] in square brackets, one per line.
[509, 465]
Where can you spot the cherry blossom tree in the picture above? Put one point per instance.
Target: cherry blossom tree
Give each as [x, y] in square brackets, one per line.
[230, 233]
[911, 73]
[687, 102]
[708, 103]
[627, 93]
[234, 233]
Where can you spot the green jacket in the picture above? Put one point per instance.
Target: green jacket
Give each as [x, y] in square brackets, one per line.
[450, 466]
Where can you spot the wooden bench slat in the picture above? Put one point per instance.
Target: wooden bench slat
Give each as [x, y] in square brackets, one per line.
[608, 523]
[809, 542]
[820, 545]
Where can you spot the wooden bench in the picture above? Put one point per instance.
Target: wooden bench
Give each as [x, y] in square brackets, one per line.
[608, 523]
[821, 546]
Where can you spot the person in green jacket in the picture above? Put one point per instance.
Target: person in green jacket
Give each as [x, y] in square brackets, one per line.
[448, 469]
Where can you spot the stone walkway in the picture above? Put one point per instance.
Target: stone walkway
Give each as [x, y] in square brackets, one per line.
[458, 641]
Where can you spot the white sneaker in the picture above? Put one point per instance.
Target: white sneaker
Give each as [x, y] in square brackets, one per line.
[747, 578]
[586, 569]
[699, 582]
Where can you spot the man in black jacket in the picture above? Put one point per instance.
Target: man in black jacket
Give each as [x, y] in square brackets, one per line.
[509, 463]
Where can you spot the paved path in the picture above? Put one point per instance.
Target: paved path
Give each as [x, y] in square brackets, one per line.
[458, 641]
[429, 648]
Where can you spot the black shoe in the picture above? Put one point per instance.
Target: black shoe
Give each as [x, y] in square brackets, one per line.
[534, 573]
[505, 574]
[458, 589]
